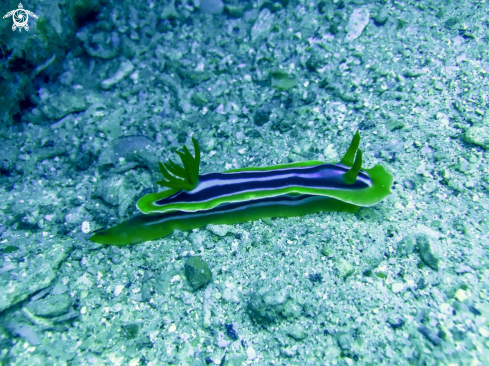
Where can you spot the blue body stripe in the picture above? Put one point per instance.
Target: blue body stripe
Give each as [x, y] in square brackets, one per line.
[210, 186]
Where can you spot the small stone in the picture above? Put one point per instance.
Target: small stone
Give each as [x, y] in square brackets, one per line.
[61, 104]
[430, 335]
[85, 227]
[110, 190]
[289, 351]
[26, 331]
[263, 24]
[51, 306]
[425, 252]
[406, 245]
[101, 49]
[223, 343]
[327, 251]
[381, 17]
[484, 332]
[395, 321]
[169, 11]
[397, 287]
[219, 230]
[198, 99]
[197, 272]
[394, 124]
[75, 215]
[297, 332]
[357, 22]
[477, 136]
[251, 353]
[211, 6]
[118, 289]
[451, 22]
[283, 81]
[265, 305]
[446, 309]
[231, 331]
[41, 272]
[344, 267]
[474, 311]
[461, 295]
[230, 293]
[464, 269]
[412, 73]
[124, 70]
[110, 125]
[187, 298]
[234, 11]
[59, 289]
[292, 309]
[316, 62]
[345, 339]
[262, 114]
[208, 144]
[130, 331]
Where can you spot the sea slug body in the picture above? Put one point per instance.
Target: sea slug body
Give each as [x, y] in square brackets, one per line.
[193, 201]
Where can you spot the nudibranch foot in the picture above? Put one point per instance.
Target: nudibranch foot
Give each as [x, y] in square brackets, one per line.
[142, 227]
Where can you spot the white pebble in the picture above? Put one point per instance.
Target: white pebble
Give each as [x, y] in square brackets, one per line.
[85, 227]
[125, 68]
[118, 289]
[223, 343]
[251, 353]
[397, 287]
[219, 230]
[461, 295]
[357, 22]
[446, 309]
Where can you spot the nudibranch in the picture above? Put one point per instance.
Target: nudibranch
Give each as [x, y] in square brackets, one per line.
[193, 201]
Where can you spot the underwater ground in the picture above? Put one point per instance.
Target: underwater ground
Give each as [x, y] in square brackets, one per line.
[96, 93]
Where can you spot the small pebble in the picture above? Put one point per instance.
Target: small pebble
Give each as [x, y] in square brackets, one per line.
[118, 289]
[397, 287]
[85, 227]
[464, 269]
[223, 343]
[251, 353]
[125, 69]
[461, 295]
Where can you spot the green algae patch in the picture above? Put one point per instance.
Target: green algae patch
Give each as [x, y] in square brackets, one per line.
[282, 81]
